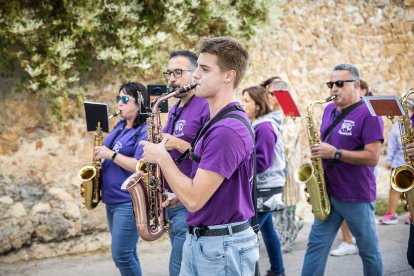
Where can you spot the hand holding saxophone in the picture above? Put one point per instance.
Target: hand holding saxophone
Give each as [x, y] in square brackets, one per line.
[323, 150]
[409, 149]
[102, 152]
[153, 153]
[174, 143]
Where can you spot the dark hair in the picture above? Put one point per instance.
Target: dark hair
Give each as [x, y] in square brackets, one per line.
[139, 92]
[192, 58]
[364, 86]
[230, 55]
[269, 81]
[350, 68]
[259, 96]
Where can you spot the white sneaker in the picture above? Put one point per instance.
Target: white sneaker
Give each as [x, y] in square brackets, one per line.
[345, 249]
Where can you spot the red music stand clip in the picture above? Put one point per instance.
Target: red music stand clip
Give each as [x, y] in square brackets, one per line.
[287, 103]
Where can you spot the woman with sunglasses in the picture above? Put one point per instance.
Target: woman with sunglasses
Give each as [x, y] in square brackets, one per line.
[270, 163]
[121, 153]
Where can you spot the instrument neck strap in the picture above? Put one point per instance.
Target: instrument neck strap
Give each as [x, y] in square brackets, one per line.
[339, 118]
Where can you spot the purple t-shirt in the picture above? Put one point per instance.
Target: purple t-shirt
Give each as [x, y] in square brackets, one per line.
[346, 181]
[188, 119]
[124, 141]
[226, 148]
[265, 146]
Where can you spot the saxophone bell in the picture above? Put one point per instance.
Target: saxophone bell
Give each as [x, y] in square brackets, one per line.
[90, 188]
[402, 177]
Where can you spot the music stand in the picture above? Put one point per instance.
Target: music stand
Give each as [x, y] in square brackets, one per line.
[389, 106]
[96, 113]
[287, 103]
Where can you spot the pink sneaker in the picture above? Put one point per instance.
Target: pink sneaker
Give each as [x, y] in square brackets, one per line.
[389, 218]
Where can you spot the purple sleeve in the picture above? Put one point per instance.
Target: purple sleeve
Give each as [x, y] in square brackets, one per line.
[373, 130]
[265, 146]
[224, 150]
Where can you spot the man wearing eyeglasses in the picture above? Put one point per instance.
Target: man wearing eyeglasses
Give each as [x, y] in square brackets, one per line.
[185, 119]
[350, 149]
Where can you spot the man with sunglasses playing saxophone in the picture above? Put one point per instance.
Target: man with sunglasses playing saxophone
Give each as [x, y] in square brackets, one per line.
[350, 151]
[185, 119]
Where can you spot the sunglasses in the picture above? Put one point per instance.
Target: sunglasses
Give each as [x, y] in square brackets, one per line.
[338, 83]
[125, 99]
[177, 73]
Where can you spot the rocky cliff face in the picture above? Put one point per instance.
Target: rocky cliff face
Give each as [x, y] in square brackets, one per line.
[41, 212]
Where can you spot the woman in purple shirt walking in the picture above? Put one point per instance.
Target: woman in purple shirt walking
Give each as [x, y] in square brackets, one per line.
[271, 163]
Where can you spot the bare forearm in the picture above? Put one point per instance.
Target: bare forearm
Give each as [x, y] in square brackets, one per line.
[125, 162]
[360, 158]
[179, 182]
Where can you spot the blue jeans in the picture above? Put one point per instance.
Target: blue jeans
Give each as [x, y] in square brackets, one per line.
[234, 254]
[271, 241]
[410, 249]
[177, 233]
[361, 221]
[124, 238]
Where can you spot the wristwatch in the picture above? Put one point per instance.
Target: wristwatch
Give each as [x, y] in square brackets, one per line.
[338, 154]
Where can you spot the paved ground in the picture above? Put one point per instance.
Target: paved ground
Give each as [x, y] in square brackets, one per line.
[154, 259]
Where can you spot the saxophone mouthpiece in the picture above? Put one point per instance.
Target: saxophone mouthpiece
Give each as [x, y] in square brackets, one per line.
[116, 113]
[330, 98]
[170, 89]
[187, 88]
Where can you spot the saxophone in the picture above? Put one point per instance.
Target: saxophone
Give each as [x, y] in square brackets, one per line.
[402, 177]
[311, 173]
[146, 185]
[90, 188]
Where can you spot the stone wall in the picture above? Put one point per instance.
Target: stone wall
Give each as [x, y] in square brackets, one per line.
[41, 212]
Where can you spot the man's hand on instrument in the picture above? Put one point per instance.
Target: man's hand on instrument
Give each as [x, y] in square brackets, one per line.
[171, 202]
[323, 150]
[153, 152]
[409, 149]
[174, 143]
[103, 152]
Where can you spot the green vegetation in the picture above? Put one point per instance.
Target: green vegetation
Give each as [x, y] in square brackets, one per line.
[56, 45]
[381, 207]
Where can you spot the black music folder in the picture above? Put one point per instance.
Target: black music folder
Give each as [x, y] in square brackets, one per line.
[389, 106]
[96, 112]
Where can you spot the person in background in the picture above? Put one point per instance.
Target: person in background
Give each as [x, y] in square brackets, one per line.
[185, 119]
[270, 162]
[284, 220]
[121, 152]
[394, 159]
[349, 150]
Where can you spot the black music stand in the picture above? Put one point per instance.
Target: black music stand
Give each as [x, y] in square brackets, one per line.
[389, 106]
[287, 103]
[96, 113]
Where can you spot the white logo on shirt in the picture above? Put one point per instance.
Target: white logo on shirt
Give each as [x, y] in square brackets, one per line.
[179, 126]
[117, 146]
[346, 128]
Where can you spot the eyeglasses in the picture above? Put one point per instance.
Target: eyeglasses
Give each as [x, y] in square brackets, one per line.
[338, 83]
[125, 99]
[177, 73]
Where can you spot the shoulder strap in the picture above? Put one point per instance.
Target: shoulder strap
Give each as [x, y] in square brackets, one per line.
[255, 219]
[203, 130]
[138, 133]
[339, 118]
